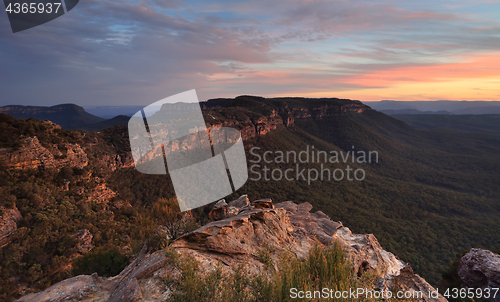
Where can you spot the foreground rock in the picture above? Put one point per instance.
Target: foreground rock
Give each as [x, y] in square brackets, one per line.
[480, 269]
[237, 239]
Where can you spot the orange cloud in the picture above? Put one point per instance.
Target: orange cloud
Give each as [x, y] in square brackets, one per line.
[474, 67]
[474, 78]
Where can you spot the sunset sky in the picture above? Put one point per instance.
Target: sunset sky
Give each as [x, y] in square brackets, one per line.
[115, 52]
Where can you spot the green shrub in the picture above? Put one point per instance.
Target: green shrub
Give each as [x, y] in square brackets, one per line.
[265, 256]
[106, 261]
[157, 242]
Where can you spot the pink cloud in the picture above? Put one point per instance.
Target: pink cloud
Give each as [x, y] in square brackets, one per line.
[475, 66]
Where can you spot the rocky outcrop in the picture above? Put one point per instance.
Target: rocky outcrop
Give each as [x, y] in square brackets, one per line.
[140, 281]
[233, 119]
[241, 202]
[480, 269]
[268, 123]
[68, 290]
[284, 117]
[222, 210]
[238, 240]
[116, 161]
[32, 155]
[367, 254]
[101, 193]
[8, 224]
[85, 240]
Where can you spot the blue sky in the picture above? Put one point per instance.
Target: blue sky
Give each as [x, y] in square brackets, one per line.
[137, 52]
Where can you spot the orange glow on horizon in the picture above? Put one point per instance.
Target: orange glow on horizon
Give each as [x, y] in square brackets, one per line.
[476, 78]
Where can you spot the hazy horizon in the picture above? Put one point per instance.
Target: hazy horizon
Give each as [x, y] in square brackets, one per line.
[285, 96]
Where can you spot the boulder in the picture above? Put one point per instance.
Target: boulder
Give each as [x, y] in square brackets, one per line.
[480, 269]
[222, 210]
[241, 202]
[265, 203]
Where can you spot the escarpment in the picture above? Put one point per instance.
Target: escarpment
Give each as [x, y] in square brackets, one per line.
[252, 116]
[255, 116]
[239, 232]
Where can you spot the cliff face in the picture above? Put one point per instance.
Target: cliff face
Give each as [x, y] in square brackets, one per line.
[246, 228]
[250, 124]
[252, 116]
[277, 114]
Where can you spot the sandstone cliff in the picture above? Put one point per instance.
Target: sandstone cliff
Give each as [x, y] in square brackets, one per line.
[244, 229]
[253, 120]
[255, 116]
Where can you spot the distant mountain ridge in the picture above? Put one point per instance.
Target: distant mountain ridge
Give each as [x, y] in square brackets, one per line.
[484, 123]
[414, 111]
[71, 116]
[68, 116]
[109, 112]
[74, 117]
[436, 107]
[119, 120]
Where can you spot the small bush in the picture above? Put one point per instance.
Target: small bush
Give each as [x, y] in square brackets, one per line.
[171, 255]
[265, 257]
[157, 242]
[106, 261]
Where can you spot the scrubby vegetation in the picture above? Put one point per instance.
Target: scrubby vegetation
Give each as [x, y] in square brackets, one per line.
[43, 250]
[450, 278]
[325, 267]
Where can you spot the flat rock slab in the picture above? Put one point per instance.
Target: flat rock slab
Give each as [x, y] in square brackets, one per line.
[72, 289]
